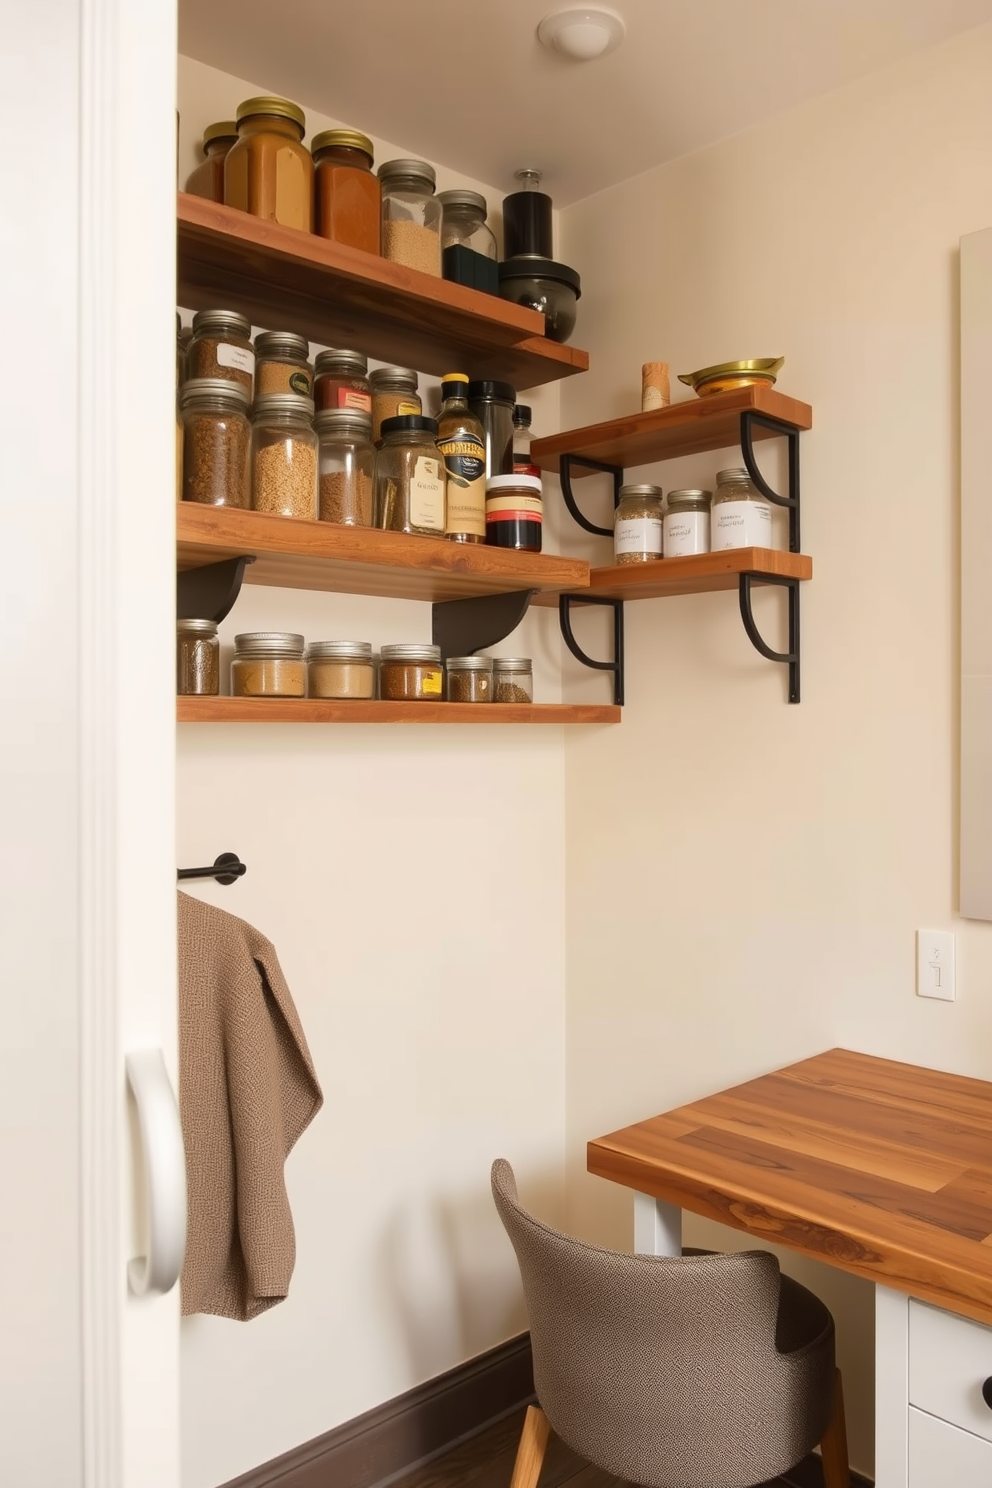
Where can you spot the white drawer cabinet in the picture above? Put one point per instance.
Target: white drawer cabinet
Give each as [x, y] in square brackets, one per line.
[949, 1359]
[942, 1456]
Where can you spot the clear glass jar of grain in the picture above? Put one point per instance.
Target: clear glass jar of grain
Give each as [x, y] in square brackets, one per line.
[284, 456]
[216, 442]
[637, 525]
[513, 679]
[470, 679]
[197, 658]
[220, 346]
[282, 364]
[268, 663]
[411, 215]
[409, 478]
[340, 669]
[741, 516]
[394, 393]
[347, 467]
[411, 673]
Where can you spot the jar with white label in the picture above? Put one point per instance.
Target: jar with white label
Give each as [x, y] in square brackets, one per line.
[742, 518]
[220, 346]
[637, 526]
[687, 523]
[409, 477]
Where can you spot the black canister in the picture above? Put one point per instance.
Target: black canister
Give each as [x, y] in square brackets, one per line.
[492, 403]
[527, 223]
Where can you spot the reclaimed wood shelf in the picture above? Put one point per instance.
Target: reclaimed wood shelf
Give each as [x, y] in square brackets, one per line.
[340, 296]
[293, 554]
[702, 573]
[317, 710]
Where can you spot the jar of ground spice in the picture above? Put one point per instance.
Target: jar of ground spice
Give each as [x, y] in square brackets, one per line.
[637, 525]
[409, 477]
[741, 516]
[341, 380]
[208, 178]
[268, 663]
[284, 456]
[197, 658]
[216, 442]
[394, 393]
[687, 523]
[220, 346]
[513, 679]
[340, 669]
[269, 171]
[347, 467]
[470, 679]
[411, 215]
[411, 673]
[347, 197]
[282, 364]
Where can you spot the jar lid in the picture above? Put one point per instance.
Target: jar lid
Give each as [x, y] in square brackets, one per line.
[214, 387]
[342, 139]
[386, 376]
[455, 377]
[297, 403]
[225, 129]
[270, 643]
[419, 170]
[501, 391]
[640, 490]
[340, 360]
[464, 199]
[415, 651]
[281, 343]
[469, 663]
[691, 496]
[196, 627]
[408, 423]
[279, 108]
[732, 477]
[222, 320]
[514, 483]
[522, 414]
[343, 421]
[340, 650]
[512, 664]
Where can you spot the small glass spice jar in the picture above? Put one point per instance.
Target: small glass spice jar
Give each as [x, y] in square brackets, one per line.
[411, 215]
[341, 380]
[208, 178]
[268, 663]
[220, 346]
[513, 679]
[282, 364]
[269, 171]
[409, 477]
[468, 244]
[197, 658]
[216, 442]
[347, 197]
[742, 518]
[470, 679]
[637, 525]
[340, 669]
[347, 467]
[411, 673]
[394, 393]
[284, 456]
[687, 523]
[514, 512]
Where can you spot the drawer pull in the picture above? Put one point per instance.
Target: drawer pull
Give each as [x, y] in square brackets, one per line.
[987, 1391]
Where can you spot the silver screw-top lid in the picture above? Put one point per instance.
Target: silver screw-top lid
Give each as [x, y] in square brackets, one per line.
[297, 403]
[222, 322]
[392, 171]
[469, 663]
[732, 477]
[691, 496]
[225, 388]
[640, 490]
[399, 377]
[275, 344]
[512, 664]
[411, 652]
[464, 199]
[340, 651]
[341, 360]
[344, 421]
[275, 643]
[196, 627]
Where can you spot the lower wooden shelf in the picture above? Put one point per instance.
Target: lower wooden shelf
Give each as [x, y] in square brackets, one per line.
[317, 710]
[701, 573]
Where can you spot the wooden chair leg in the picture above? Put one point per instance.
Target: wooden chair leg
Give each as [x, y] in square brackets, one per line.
[533, 1445]
[833, 1447]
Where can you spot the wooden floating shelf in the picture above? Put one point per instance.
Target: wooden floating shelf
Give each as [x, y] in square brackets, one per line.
[703, 573]
[691, 427]
[316, 710]
[339, 296]
[293, 554]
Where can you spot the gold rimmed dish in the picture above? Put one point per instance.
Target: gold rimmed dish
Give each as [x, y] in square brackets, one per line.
[727, 375]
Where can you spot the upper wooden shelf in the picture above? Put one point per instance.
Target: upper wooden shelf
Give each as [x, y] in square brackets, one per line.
[293, 554]
[339, 296]
[688, 428]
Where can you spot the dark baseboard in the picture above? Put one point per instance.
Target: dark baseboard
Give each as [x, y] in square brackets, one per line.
[406, 1431]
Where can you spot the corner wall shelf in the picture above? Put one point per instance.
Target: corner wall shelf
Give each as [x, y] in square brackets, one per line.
[315, 710]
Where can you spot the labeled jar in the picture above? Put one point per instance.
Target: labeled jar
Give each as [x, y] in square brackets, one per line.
[269, 171]
[347, 467]
[409, 477]
[216, 442]
[493, 404]
[637, 525]
[220, 346]
[341, 380]
[514, 512]
[284, 456]
[687, 523]
[411, 215]
[394, 393]
[347, 197]
[411, 673]
[268, 663]
[340, 669]
[513, 679]
[742, 517]
[470, 679]
[197, 658]
[282, 364]
[208, 178]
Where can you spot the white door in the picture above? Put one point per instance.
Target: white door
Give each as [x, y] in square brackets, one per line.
[88, 1371]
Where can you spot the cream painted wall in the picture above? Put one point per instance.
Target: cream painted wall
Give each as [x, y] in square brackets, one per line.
[745, 878]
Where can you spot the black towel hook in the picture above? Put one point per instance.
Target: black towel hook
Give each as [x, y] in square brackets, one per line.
[227, 869]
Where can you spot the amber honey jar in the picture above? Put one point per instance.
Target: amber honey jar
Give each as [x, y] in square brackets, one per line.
[269, 171]
[347, 197]
[208, 178]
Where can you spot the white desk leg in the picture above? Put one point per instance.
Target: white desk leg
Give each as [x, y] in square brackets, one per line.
[657, 1226]
[891, 1388]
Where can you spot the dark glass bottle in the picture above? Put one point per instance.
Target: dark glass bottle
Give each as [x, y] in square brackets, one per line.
[462, 442]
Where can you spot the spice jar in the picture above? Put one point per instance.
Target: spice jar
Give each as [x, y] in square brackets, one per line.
[340, 669]
[409, 477]
[394, 392]
[208, 178]
[284, 456]
[742, 518]
[220, 346]
[282, 364]
[637, 525]
[514, 512]
[268, 171]
[513, 679]
[347, 467]
[493, 404]
[470, 679]
[197, 658]
[347, 197]
[411, 215]
[268, 663]
[687, 523]
[216, 442]
[411, 673]
[341, 380]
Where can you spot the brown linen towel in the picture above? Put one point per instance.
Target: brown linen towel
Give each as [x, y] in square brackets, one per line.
[247, 1090]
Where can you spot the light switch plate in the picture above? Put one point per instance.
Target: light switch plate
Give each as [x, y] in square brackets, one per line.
[935, 964]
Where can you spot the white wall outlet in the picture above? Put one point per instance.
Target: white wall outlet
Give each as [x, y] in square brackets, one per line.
[935, 964]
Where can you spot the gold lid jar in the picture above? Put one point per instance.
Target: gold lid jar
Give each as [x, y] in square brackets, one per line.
[347, 195]
[269, 171]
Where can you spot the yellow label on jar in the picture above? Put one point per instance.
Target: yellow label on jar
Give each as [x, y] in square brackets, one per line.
[431, 684]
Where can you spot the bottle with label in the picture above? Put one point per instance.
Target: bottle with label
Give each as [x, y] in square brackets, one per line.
[637, 534]
[742, 518]
[462, 442]
[522, 462]
[409, 477]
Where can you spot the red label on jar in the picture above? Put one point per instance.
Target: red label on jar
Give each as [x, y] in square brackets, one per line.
[348, 398]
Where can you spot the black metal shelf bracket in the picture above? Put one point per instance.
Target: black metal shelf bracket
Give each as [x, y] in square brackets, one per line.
[209, 593]
[565, 602]
[788, 658]
[565, 476]
[463, 626]
[750, 417]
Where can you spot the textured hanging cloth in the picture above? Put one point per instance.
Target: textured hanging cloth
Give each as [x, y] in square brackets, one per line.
[247, 1090]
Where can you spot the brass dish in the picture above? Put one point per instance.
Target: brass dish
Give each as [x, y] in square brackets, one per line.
[727, 375]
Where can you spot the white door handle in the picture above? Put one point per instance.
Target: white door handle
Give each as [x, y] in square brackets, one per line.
[165, 1174]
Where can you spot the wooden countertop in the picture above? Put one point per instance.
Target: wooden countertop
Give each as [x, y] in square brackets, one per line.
[879, 1168]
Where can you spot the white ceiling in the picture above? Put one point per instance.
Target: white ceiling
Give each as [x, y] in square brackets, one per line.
[467, 83]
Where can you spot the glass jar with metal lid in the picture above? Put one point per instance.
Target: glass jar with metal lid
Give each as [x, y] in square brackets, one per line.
[341, 380]
[268, 663]
[411, 215]
[269, 171]
[197, 658]
[513, 679]
[687, 522]
[208, 178]
[409, 477]
[347, 467]
[742, 518]
[637, 525]
[468, 244]
[470, 679]
[411, 673]
[340, 669]
[216, 442]
[394, 393]
[284, 456]
[282, 363]
[347, 196]
[220, 346]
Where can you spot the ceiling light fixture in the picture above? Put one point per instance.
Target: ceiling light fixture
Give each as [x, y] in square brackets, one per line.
[582, 34]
